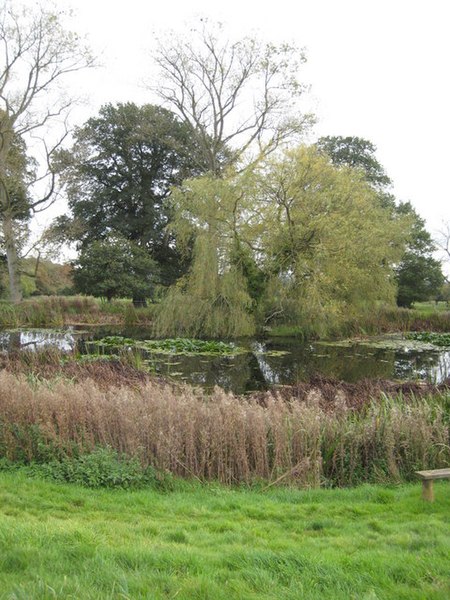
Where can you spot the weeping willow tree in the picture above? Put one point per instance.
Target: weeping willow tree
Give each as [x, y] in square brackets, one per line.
[294, 240]
[214, 299]
[329, 246]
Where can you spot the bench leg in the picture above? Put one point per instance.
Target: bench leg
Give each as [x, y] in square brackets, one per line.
[427, 490]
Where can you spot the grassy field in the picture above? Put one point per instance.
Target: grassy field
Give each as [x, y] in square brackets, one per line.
[209, 542]
[428, 308]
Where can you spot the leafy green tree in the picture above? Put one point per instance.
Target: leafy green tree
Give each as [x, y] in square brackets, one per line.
[329, 246]
[119, 173]
[294, 238]
[356, 153]
[214, 298]
[115, 268]
[419, 275]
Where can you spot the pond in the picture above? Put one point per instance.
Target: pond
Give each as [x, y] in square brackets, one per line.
[260, 363]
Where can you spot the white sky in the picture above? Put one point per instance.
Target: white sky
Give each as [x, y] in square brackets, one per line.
[378, 69]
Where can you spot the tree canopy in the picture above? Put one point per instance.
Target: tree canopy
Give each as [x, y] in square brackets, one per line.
[319, 244]
[119, 173]
[356, 153]
[419, 275]
[115, 268]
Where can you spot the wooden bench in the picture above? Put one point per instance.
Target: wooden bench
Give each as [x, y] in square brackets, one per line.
[427, 481]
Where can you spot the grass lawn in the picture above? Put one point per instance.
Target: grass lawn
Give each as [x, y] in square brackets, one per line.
[372, 542]
[428, 308]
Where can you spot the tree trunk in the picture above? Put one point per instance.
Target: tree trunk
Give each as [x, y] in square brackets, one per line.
[12, 257]
[6, 217]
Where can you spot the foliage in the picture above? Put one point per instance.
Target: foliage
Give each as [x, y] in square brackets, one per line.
[119, 173]
[16, 176]
[46, 278]
[101, 468]
[213, 299]
[115, 267]
[294, 239]
[437, 339]
[225, 437]
[192, 346]
[38, 52]
[419, 275]
[355, 153]
[328, 245]
[172, 346]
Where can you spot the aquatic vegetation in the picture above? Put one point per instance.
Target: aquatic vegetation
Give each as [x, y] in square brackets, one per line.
[191, 346]
[394, 341]
[176, 346]
[430, 337]
[113, 341]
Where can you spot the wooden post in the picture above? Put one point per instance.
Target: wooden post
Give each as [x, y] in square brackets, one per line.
[427, 490]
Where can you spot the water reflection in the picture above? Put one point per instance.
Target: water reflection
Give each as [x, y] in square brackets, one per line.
[12, 341]
[268, 362]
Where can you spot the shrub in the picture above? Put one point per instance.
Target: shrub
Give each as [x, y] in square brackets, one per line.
[103, 467]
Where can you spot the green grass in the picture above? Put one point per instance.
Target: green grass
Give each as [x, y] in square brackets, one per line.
[199, 543]
[427, 308]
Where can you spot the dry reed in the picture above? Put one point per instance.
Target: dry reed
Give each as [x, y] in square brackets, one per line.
[223, 437]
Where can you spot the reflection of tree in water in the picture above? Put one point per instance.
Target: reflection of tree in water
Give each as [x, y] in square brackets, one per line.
[240, 373]
[13, 341]
[306, 360]
[432, 366]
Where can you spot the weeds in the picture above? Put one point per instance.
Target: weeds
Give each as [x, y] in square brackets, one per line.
[54, 311]
[223, 437]
[103, 467]
[437, 339]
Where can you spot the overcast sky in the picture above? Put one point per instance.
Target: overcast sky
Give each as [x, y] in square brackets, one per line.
[378, 69]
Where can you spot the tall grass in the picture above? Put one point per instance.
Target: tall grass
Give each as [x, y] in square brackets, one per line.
[46, 311]
[54, 311]
[383, 320]
[223, 437]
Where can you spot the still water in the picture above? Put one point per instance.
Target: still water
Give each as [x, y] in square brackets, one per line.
[266, 362]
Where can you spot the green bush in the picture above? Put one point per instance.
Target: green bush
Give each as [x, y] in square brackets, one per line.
[103, 467]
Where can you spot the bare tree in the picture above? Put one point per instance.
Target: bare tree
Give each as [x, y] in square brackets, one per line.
[36, 54]
[236, 96]
[443, 244]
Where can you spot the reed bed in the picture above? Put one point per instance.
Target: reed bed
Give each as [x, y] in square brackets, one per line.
[223, 437]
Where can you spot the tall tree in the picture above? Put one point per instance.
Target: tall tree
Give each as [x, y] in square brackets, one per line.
[119, 173]
[236, 97]
[329, 246]
[215, 297]
[37, 54]
[356, 153]
[294, 237]
[419, 275]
